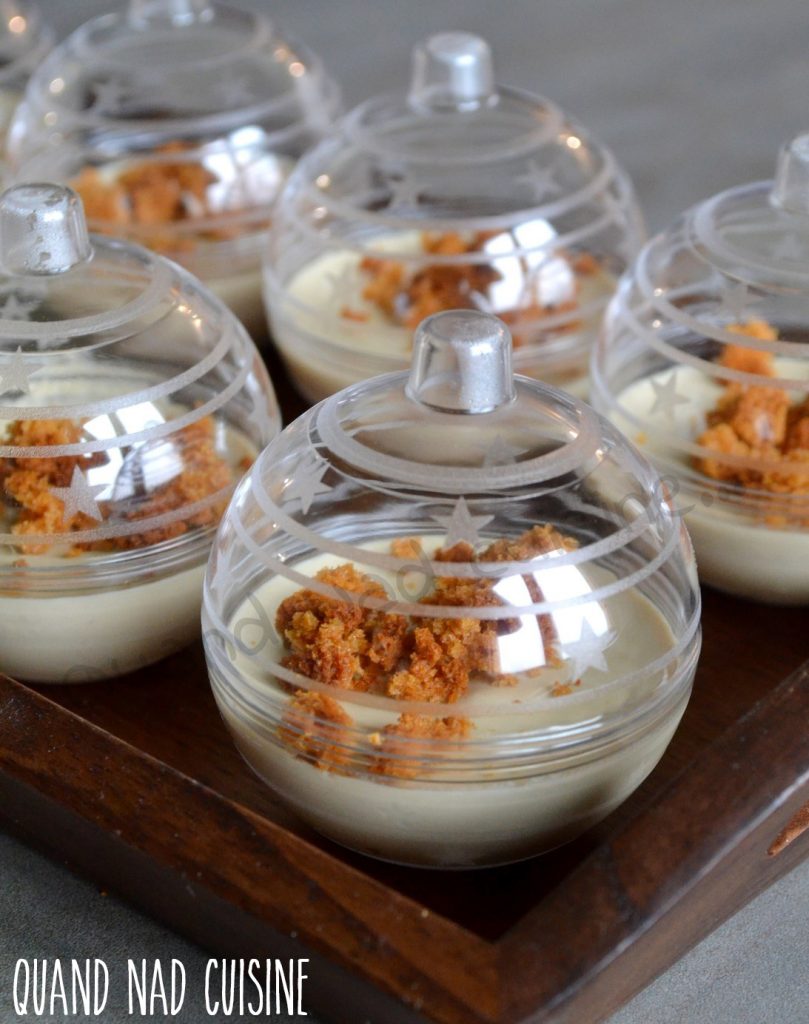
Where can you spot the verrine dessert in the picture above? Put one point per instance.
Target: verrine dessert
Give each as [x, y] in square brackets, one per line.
[704, 362]
[131, 403]
[460, 194]
[449, 616]
[188, 164]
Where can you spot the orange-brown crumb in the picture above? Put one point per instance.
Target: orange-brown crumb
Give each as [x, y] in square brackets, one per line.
[798, 428]
[357, 315]
[338, 641]
[723, 440]
[402, 759]
[756, 421]
[564, 689]
[758, 415]
[750, 360]
[406, 547]
[539, 540]
[791, 476]
[34, 509]
[585, 263]
[314, 726]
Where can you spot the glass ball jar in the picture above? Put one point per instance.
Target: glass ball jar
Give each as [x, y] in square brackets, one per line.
[450, 617]
[131, 403]
[704, 362]
[178, 121]
[459, 194]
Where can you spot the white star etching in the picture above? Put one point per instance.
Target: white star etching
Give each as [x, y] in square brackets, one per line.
[15, 373]
[666, 398]
[788, 248]
[734, 299]
[542, 180]
[462, 525]
[307, 484]
[588, 653]
[342, 284]
[79, 497]
[14, 308]
[500, 453]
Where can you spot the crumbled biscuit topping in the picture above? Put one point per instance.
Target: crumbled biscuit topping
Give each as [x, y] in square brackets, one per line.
[407, 298]
[152, 194]
[27, 485]
[564, 689]
[757, 421]
[341, 642]
[314, 726]
[401, 759]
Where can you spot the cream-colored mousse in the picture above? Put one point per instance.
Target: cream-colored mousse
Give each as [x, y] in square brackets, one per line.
[88, 629]
[326, 350]
[737, 550]
[75, 636]
[495, 816]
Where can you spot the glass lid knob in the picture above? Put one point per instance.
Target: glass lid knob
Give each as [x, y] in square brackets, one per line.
[462, 363]
[42, 230]
[452, 70]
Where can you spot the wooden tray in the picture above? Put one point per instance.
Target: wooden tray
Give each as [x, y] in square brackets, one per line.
[137, 784]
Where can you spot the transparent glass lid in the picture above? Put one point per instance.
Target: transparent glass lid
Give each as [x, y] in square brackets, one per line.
[131, 399]
[705, 355]
[455, 535]
[439, 150]
[461, 420]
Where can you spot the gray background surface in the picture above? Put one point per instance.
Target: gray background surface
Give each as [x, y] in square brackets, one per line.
[693, 96]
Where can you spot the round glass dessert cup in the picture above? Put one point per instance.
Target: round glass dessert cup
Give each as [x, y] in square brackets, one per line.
[704, 362]
[460, 194]
[449, 617]
[131, 402]
[24, 42]
[177, 121]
